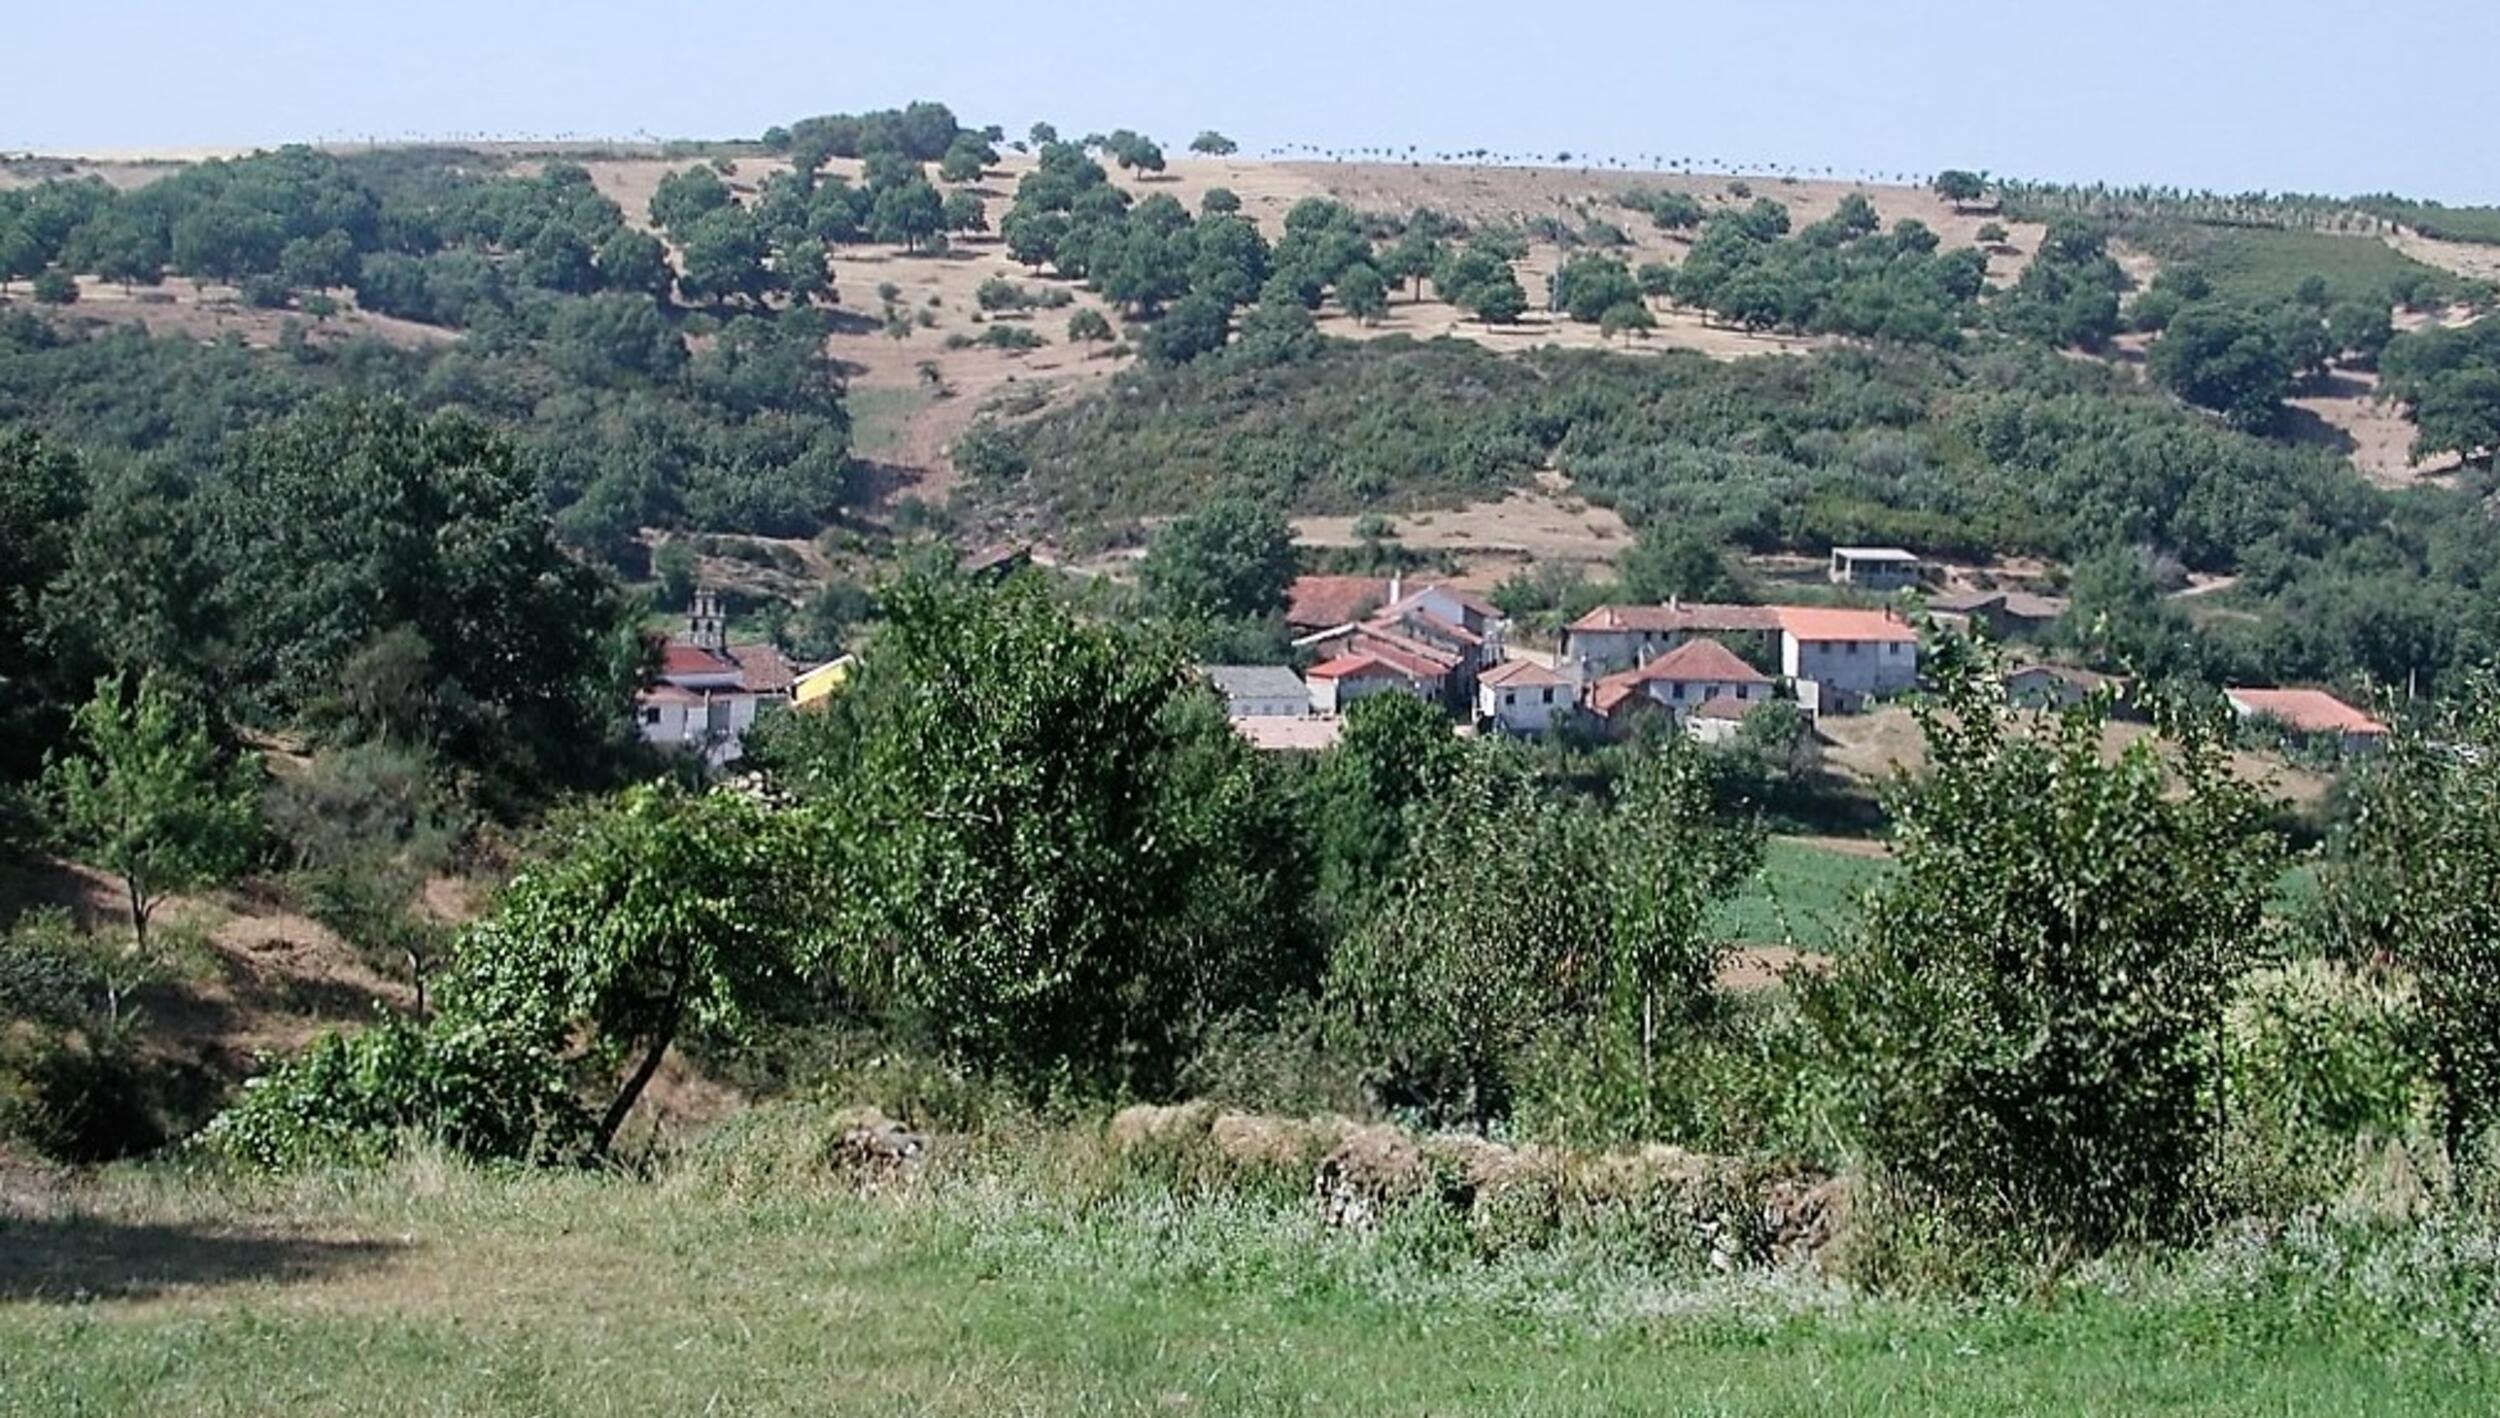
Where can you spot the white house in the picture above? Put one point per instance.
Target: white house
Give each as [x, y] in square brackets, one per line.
[1522, 697]
[1259, 691]
[707, 692]
[1849, 656]
[1337, 683]
[1683, 679]
[1617, 637]
[1873, 568]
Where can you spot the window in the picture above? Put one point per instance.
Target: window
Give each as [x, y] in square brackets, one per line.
[651, 716]
[1549, 694]
[1853, 647]
[1677, 689]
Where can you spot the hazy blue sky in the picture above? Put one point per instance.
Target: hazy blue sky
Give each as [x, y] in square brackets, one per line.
[2347, 96]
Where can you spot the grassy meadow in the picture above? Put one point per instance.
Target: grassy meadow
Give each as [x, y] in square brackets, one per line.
[433, 1288]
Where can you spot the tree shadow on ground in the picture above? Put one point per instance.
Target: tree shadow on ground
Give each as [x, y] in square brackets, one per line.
[71, 1259]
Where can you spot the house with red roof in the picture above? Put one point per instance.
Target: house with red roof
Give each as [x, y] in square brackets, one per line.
[1848, 656]
[1523, 697]
[2310, 713]
[1682, 680]
[707, 693]
[1339, 681]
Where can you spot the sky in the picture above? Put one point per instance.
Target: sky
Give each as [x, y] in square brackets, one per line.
[2234, 95]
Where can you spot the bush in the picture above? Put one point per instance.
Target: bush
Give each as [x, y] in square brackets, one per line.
[2326, 1069]
[482, 1090]
[55, 287]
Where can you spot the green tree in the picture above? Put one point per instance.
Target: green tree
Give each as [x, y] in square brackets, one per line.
[1060, 860]
[1414, 256]
[1088, 326]
[2225, 359]
[963, 212]
[723, 257]
[1213, 144]
[1669, 561]
[2031, 1012]
[1231, 559]
[145, 795]
[631, 260]
[1674, 855]
[1395, 752]
[334, 527]
[804, 270]
[1195, 325]
[683, 198]
[1228, 259]
[1363, 294]
[1960, 187]
[43, 494]
[53, 286]
[907, 212]
[2412, 884]
[655, 913]
[1453, 977]
[1626, 318]
[965, 158]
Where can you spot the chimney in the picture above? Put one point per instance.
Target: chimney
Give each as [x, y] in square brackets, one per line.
[1397, 583]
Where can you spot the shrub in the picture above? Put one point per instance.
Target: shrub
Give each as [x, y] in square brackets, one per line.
[484, 1090]
[2028, 1019]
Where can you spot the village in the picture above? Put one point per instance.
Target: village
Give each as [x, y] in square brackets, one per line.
[1698, 667]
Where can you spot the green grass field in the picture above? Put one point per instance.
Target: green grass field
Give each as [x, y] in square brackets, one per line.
[1803, 892]
[2262, 264]
[431, 1289]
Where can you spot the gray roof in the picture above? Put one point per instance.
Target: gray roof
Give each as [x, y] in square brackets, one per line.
[1875, 553]
[1254, 681]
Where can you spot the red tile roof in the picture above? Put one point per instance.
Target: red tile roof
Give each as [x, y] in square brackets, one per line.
[1357, 666]
[1823, 623]
[1701, 659]
[1412, 618]
[669, 694]
[1520, 672]
[1318, 602]
[1405, 655]
[2308, 711]
[1700, 616]
[762, 669]
[1726, 706]
[679, 657]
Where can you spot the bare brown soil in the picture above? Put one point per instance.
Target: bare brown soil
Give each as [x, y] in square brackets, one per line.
[1871, 748]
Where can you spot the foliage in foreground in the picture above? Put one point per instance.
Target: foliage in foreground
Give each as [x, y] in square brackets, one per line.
[2030, 1022]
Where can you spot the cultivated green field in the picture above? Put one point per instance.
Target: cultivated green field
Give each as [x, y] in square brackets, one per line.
[1805, 893]
[433, 1289]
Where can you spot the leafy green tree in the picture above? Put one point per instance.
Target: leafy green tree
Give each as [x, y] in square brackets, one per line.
[1228, 259]
[1218, 202]
[683, 198]
[653, 914]
[1213, 144]
[1061, 861]
[1960, 187]
[1088, 326]
[965, 158]
[2360, 331]
[1231, 559]
[1363, 294]
[2411, 884]
[1450, 979]
[1656, 280]
[146, 796]
[1626, 319]
[1195, 325]
[1415, 255]
[963, 212]
[908, 212]
[2032, 1009]
[2225, 359]
[804, 270]
[42, 496]
[1588, 286]
[1668, 561]
[1395, 752]
[1674, 855]
[1042, 135]
[1990, 234]
[341, 524]
[723, 258]
[53, 286]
